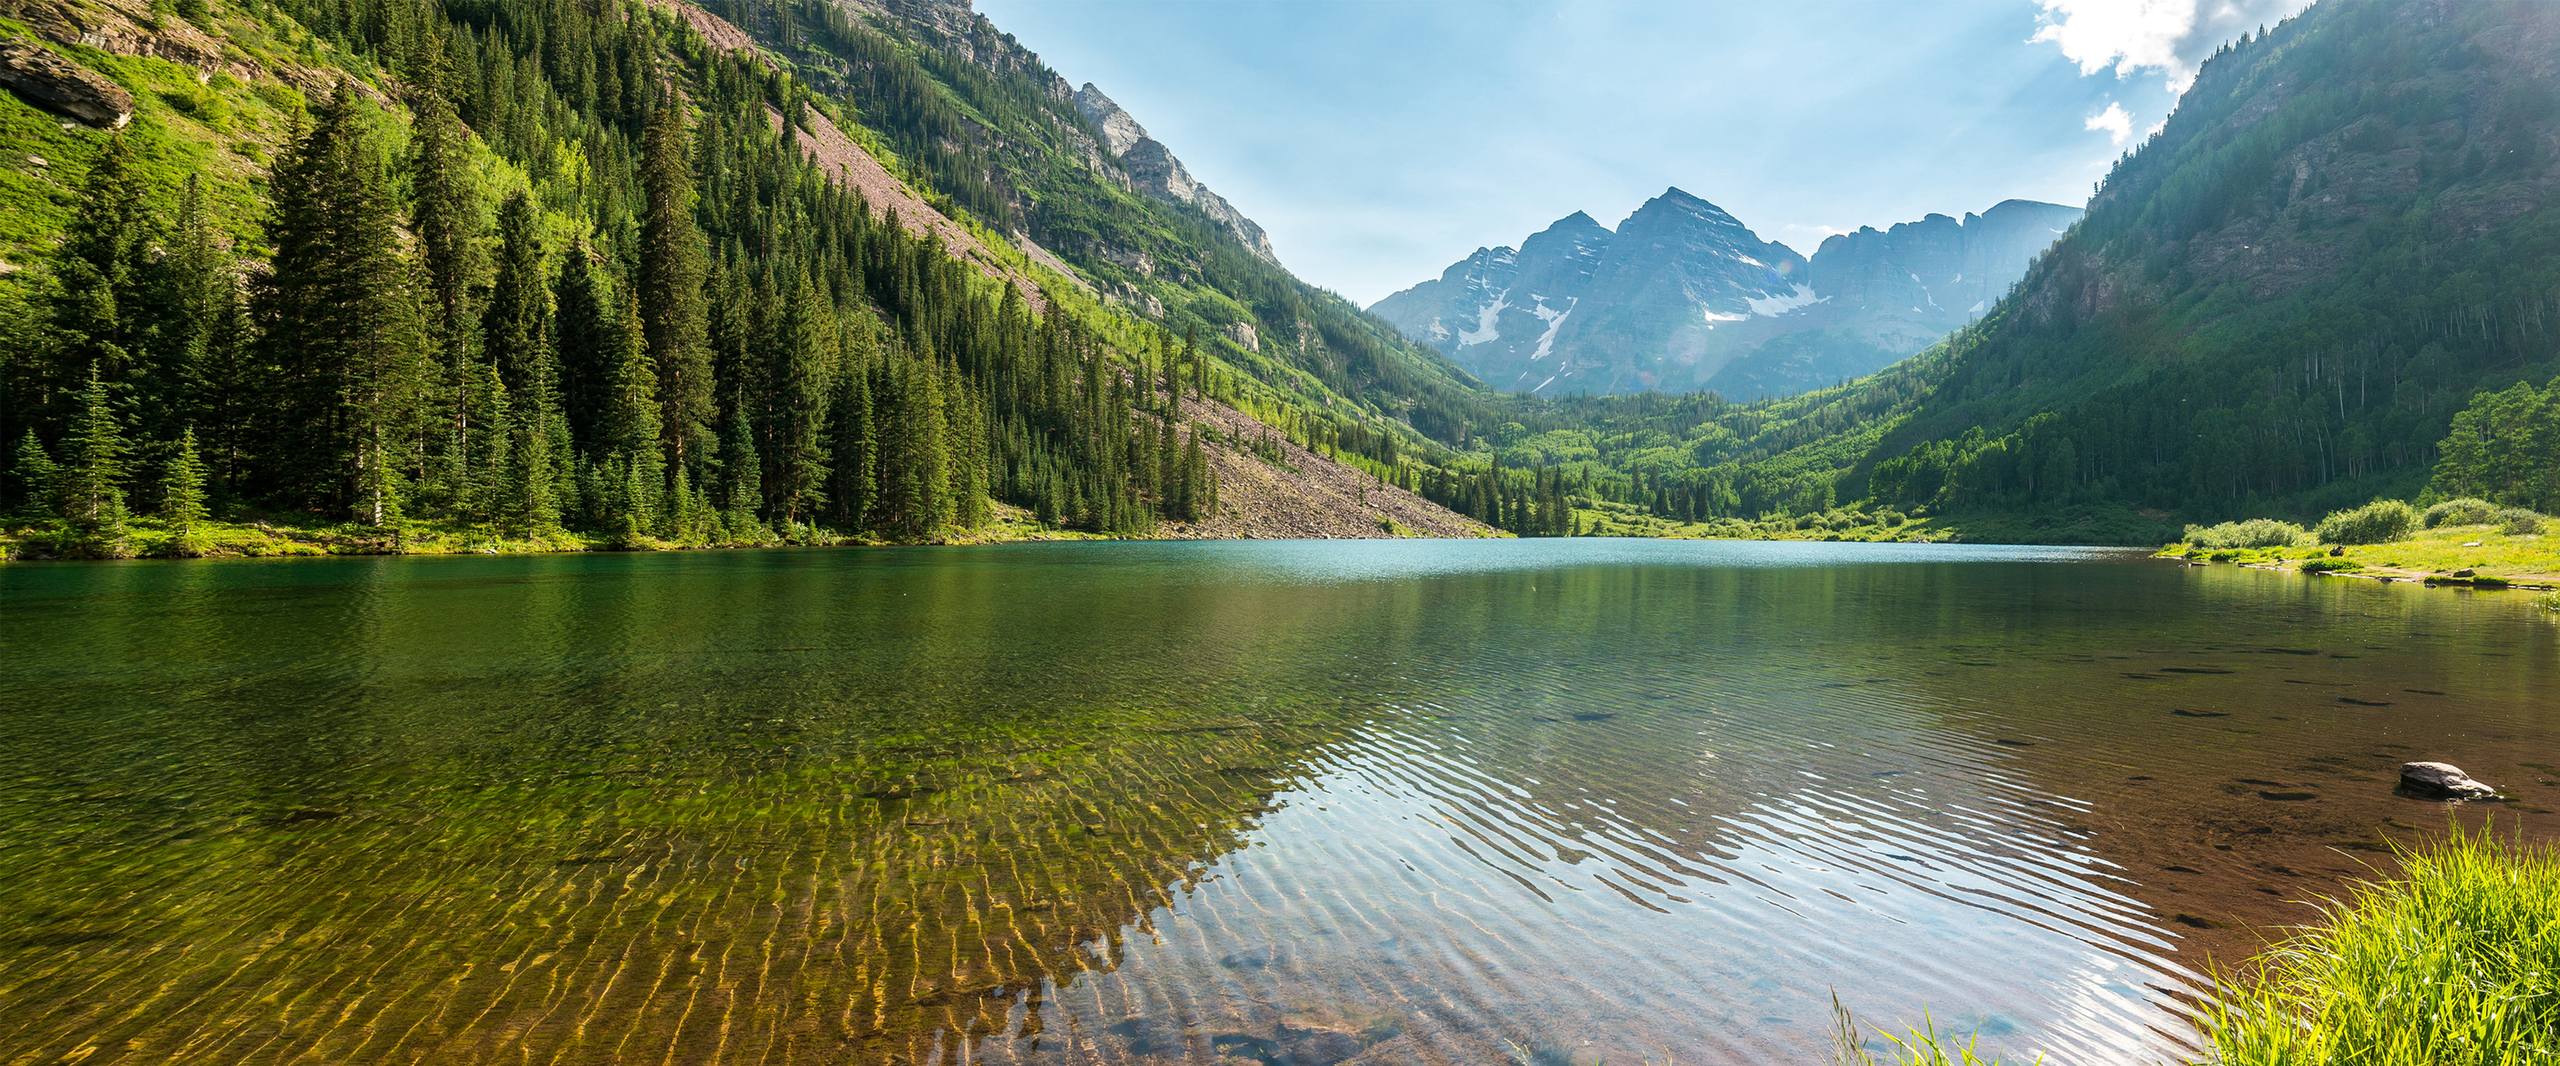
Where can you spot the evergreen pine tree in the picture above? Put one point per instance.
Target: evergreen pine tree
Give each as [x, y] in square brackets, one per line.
[182, 502]
[200, 344]
[516, 326]
[914, 460]
[743, 491]
[489, 448]
[38, 479]
[98, 305]
[804, 350]
[589, 332]
[671, 281]
[968, 448]
[343, 336]
[853, 449]
[445, 217]
[630, 437]
[90, 493]
[529, 503]
[1195, 496]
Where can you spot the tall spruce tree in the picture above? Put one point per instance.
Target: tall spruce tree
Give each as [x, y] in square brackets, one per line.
[182, 499]
[38, 480]
[342, 334]
[915, 487]
[852, 444]
[529, 502]
[89, 488]
[968, 450]
[99, 306]
[587, 339]
[444, 214]
[742, 491]
[630, 453]
[803, 353]
[671, 280]
[202, 342]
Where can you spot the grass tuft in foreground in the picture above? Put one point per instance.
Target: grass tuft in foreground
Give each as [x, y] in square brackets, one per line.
[1919, 1047]
[2454, 963]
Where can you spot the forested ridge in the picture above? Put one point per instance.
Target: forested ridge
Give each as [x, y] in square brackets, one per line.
[532, 267]
[560, 270]
[2279, 303]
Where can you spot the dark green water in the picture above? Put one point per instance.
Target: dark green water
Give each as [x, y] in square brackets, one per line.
[1282, 802]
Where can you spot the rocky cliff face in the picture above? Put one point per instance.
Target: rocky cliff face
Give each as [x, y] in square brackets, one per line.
[1684, 296]
[1939, 269]
[1154, 170]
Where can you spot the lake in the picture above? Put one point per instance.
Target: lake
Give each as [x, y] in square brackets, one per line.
[1287, 802]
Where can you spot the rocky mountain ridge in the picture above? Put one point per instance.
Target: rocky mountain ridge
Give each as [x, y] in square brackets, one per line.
[1684, 296]
[1153, 169]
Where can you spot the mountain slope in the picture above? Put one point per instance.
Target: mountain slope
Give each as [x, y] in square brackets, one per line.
[624, 276]
[981, 120]
[1684, 297]
[1888, 294]
[2349, 226]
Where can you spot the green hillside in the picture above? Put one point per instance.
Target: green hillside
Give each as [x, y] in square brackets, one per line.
[2278, 303]
[567, 273]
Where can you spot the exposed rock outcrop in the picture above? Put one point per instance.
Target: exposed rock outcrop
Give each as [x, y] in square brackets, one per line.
[1154, 170]
[63, 87]
[1299, 494]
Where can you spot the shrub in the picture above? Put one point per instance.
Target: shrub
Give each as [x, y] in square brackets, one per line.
[2253, 533]
[2466, 511]
[2379, 522]
[2517, 522]
[2330, 566]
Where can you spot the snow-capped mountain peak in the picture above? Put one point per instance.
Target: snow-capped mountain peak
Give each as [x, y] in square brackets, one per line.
[1683, 295]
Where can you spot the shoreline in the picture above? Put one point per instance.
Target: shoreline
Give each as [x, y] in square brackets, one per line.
[149, 541]
[2473, 557]
[2386, 575]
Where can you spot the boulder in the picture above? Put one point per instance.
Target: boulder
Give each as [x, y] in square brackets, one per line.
[2437, 780]
[1245, 336]
[63, 87]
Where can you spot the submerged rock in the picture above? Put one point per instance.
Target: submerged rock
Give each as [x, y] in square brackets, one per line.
[2437, 780]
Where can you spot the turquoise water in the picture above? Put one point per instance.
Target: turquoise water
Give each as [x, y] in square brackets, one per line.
[1245, 802]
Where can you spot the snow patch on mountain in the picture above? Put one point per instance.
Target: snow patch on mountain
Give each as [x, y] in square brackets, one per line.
[1773, 306]
[1488, 323]
[1555, 321]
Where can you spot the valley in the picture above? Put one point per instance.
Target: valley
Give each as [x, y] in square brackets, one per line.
[1649, 641]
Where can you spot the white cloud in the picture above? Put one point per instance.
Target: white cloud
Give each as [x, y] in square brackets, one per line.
[1804, 238]
[2169, 36]
[2115, 122]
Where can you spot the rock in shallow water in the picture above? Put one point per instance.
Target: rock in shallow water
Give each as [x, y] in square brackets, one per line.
[2436, 780]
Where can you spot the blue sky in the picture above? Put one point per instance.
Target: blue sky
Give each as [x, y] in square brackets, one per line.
[1381, 140]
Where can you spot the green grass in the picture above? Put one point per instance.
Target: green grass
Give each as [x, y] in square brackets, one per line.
[1919, 1047]
[2478, 555]
[2077, 525]
[271, 537]
[2455, 962]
